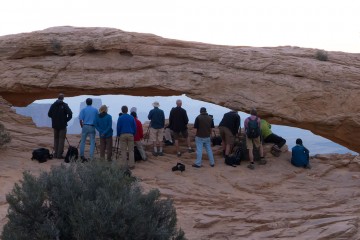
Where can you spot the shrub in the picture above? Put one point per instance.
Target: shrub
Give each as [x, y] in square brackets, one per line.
[4, 136]
[321, 55]
[87, 201]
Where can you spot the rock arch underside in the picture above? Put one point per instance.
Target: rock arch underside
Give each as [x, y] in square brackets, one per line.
[287, 85]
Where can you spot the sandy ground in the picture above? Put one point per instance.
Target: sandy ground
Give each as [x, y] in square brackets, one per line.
[274, 201]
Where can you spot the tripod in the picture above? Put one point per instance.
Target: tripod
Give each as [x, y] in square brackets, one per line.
[116, 147]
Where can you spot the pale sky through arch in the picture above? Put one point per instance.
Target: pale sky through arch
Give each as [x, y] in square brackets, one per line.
[332, 25]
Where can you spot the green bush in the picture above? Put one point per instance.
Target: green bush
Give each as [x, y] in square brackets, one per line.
[4, 136]
[321, 55]
[87, 201]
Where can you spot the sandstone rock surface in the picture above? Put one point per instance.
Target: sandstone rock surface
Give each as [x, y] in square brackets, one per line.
[287, 85]
[274, 201]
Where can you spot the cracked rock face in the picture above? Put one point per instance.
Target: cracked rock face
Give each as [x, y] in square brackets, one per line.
[287, 85]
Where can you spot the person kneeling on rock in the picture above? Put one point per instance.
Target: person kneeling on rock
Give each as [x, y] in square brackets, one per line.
[300, 155]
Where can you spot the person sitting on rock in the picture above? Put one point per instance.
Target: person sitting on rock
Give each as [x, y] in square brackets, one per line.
[269, 137]
[300, 155]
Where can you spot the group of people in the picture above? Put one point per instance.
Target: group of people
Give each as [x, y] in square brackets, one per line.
[130, 133]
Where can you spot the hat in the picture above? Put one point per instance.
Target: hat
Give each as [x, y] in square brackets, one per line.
[202, 110]
[133, 109]
[156, 104]
[103, 108]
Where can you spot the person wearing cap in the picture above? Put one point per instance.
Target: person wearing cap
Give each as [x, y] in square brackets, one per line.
[300, 155]
[178, 121]
[103, 124]
[203, 124]
[126, 130]
[60, 115]
[133, 109]
[87, 122]
[157, 124]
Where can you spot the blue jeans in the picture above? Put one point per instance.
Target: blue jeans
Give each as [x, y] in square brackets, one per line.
[87, 130]
[200, 142]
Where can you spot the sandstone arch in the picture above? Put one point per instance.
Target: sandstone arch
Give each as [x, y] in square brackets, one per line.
[288, 85]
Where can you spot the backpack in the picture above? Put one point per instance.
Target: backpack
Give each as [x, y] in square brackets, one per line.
[41, 154]
[253, 130]
[72, 154]
[235, 158]
[178, 167]
[137, 155]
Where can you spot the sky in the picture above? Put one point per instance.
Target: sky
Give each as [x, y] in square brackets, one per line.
[332, 25]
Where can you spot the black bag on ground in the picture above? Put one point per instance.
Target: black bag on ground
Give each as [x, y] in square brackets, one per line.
[72, 154]
[178, 167]
[137, 155]
[234, 159]
[41, 155]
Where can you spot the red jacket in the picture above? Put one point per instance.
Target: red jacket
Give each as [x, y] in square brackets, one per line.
[139, 131]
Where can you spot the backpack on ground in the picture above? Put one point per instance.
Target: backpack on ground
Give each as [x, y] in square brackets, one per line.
[137, 155]
[41, 155]
[235, 158]
[72, 154]
[253, 130]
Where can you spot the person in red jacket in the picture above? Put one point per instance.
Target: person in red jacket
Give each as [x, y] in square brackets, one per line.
[139, 135]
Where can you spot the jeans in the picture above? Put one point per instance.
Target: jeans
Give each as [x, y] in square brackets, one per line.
[200, 142]
[87, 130]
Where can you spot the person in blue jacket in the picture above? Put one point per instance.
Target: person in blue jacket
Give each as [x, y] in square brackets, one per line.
[300, 155]
[126, 130]
[103, 124]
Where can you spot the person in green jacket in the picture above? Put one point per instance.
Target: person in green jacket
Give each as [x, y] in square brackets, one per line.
[268, 136]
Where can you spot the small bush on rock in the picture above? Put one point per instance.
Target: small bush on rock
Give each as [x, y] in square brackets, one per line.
[87, 201]
[4, 136]
[321, 55]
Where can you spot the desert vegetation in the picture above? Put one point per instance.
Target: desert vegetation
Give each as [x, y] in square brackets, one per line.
[87, 201]
[4, 136]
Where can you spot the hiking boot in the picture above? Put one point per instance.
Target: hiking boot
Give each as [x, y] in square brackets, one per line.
[83, 159]
[160, 154]
[262, 161]
[308, 166]
[212, 165]
[155, 154]
[190, 150]
[251, 166]
[196, 166]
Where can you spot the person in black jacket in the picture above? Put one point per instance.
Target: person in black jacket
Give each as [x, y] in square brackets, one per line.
[60, 115]
[178, 121]
[229, 128]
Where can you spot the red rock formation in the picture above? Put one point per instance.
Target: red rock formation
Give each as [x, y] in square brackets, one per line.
[288, 85]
